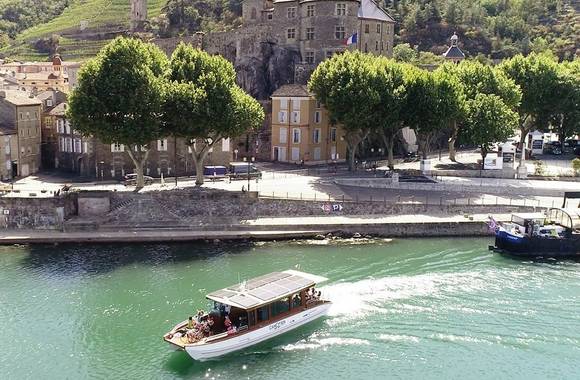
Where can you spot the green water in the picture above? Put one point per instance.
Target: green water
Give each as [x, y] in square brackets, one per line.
[409, 309]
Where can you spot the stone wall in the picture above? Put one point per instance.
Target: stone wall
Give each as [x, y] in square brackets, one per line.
[37, 213]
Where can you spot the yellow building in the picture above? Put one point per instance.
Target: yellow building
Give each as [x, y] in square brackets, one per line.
[301, 128]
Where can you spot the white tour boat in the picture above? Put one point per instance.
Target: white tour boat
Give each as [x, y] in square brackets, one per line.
[250, 313]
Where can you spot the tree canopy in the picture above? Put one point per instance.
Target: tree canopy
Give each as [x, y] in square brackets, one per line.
[119, 97]
[203, 103]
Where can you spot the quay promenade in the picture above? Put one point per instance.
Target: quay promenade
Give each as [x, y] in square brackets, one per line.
[271, 228]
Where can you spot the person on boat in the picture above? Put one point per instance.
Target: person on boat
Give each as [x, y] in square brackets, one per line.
[230, 328]
[190, 323]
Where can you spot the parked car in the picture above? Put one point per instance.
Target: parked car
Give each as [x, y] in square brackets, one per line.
[571, 143]
[239, 170]
[215, 173]
[553, 147]
[577, 150]
[131, 179]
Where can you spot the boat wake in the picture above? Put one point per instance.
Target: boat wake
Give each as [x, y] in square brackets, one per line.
[313, 343]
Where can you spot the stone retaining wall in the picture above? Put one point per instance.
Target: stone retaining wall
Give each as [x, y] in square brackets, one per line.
[37, 213]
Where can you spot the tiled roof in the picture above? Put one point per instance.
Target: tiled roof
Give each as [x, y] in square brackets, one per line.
[59, 110]
[19, 98]
[298, 90]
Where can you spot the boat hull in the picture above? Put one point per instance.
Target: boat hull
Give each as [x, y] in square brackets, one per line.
[526, 246]
[204, 351]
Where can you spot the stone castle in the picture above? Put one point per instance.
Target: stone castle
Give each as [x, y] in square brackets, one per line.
[282, 41]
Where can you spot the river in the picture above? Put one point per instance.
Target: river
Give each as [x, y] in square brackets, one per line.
[406, 309]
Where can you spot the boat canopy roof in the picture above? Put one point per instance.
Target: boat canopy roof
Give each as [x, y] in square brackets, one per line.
[520, 218]
[265, 289]
[566, 217]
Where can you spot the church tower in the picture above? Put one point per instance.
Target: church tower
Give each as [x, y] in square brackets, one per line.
[138, 15]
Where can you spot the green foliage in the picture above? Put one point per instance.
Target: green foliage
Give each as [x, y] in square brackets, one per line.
[537, 77]
[496, 28]
[17, 15]
[566, 113]
[203, 103]
[349, 86]
[119, 97]
[205, 15]
[488, 120]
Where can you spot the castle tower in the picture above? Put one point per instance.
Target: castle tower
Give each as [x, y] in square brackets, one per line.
[138, 15]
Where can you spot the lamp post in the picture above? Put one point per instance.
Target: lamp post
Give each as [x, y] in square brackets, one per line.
[250, 160]
[102, 164]
[236, 154]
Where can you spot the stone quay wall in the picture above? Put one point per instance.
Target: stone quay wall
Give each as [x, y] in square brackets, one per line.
[37, 213]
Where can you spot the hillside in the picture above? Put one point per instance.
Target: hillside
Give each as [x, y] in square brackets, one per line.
[104, 17]
[33, 29]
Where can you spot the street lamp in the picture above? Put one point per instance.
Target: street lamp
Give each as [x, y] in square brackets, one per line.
[250, 160]
[102, 164]
[236, 154]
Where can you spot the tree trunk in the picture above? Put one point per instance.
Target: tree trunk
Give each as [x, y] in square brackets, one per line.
[452, 140]
[352, 151]
[483, 155]
[389, 145]
[138, 157]
[199, 158]
[424, 143]
[352, 141]
[524, 132]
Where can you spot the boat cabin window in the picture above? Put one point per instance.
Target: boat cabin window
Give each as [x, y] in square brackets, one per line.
[251, 318]
[296, 300]
[281, 306]
[263, 314]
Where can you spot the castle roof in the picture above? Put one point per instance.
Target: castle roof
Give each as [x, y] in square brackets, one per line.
[370, 10]
[292, 90]
[454, 52]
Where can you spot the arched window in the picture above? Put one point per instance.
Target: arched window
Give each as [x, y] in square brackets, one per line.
[253, 16]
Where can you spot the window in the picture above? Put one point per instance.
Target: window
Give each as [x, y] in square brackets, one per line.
[333, 134]
[20, 115]
[162, 145]
[67, 126]
[284, 103]
[379, 28]
[291, 33]
[35, 115]
[339, 32]
[309, 57]
[78, 148]
[47, 121]
[116, 147]
[309, 33]
[269, 17]
[296, 104]
[296, 135]
[340, 9]
[291, 12]
[367, 28]
[262, 313]
[366, 48]
[226, 145]
[376, 45]
[68, 141]
[283, 135]
[61, 144]
[28, 115]
[86, 147]
[318, 104]
[309, 10]
[254, 14]
[49, 102]
[295, 117]
[381, 45]
[317, 117]
[280, 307]
[282, 115]
[316, 136]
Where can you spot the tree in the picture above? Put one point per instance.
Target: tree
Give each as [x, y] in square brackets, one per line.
[488, 121]
[476, 78]
[432, 101]
[391, 102]
[119, 97]
[404, 53]
[537, 77]
[203, 103]
[347, 85]
[566, 114]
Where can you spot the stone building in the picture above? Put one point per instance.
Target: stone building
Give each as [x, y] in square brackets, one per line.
[138, 14]
[454, 53]
[42, 76]
[20, 113]
[49, 143]
[301, 128]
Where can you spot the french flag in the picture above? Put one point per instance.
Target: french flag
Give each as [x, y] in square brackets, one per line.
[351, 40]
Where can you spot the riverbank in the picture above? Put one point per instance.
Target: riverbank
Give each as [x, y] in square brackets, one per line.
[271, 229]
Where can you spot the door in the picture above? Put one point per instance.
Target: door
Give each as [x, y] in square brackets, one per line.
[295, 154]
[276, 154]
[282, 153]
[24, 170]
[317, 154]
[333, 152]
